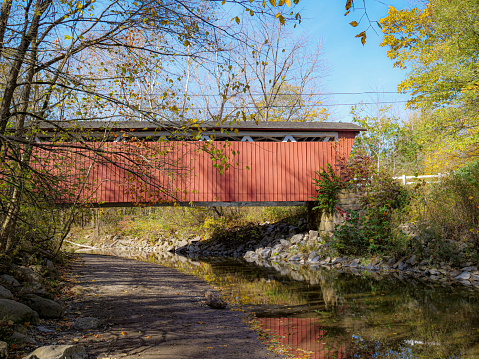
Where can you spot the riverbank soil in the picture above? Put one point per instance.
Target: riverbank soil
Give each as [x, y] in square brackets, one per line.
[149, 311]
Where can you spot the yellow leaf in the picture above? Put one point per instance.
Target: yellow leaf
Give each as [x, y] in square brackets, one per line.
[353, 23]
[123, 333]
[273, 2]
[349, 3]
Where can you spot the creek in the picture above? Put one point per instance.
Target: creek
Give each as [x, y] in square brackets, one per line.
[317, 312]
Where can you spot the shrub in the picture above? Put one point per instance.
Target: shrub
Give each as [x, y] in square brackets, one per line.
[374, 231]
[451, 208]
[327, 187]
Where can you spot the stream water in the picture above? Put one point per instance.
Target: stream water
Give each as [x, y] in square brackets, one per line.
[320, 313]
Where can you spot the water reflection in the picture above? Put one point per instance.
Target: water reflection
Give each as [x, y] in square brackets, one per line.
[320, 313]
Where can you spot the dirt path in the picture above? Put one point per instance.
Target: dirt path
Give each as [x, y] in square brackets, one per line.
[149, 311]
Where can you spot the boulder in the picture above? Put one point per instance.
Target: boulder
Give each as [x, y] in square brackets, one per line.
[463, 277]
[265, 253]
[413, 260]
[295, 258]
[285, 243]
[20, 338]
[86, 323]
[46, 308]
[252, 257]
[26, 274]
[5, 293]
[326, 261]
[3, 350]
[17, 312]
[277, 249]
[314, 260]
[59, 352]
[296, 238]
[213, 300]
[9, 280]
[313, 235]
[354, 263]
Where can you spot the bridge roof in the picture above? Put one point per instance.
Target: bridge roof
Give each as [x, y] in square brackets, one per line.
[174, 125]
[242, 131]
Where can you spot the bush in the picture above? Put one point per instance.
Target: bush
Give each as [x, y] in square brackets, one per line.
[450, 209]
[374, 231]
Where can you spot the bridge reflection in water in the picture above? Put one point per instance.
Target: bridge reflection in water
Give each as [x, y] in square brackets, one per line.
[303, 337]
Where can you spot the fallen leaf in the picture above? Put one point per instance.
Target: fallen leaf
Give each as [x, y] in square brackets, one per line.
[123, 333]
[148, 337]
[200, 322]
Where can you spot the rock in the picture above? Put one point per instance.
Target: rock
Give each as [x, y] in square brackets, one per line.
[20, 338]
[3, 350]
[9, 280]
[413, 260]
[296, 238]
[295, 258]
[46, 308]
[314, 260]
[265, 253]
[354, 263]
[196, 239]
[213, 300]
[248, 254]
[285, 243]
[27, 274]
[277, 249]
[17, 312]
[5, 293]
[375, 261]
[43, 329]
[370, 267]
[326, 261]
[391, 262]
[433, 271]
[336, 261]
[385, 267]
[313, 235]
[50, 265]
[463, 277]
[252, 257]
[86, 323]
[59, 352]
[182, 243]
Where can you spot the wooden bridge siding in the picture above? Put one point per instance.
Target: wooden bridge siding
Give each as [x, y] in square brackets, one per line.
[279, 171]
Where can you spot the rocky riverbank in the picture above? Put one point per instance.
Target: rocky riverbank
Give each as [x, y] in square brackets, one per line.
[33, 311]
[286, 244]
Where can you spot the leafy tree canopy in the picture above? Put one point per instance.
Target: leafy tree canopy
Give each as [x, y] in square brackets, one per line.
[439, 47]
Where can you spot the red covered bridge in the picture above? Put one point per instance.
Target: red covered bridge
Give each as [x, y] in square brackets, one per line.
[269, 163]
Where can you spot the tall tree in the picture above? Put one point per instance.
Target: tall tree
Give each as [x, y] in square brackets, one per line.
[382, 131]
[45, 49]
[439, 47]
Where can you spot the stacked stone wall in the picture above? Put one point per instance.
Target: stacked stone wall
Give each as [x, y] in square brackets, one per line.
[349, 199]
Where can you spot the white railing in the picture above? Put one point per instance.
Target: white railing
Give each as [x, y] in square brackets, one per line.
[427, 178]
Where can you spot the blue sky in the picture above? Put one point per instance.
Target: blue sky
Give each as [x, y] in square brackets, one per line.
[352, 66]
